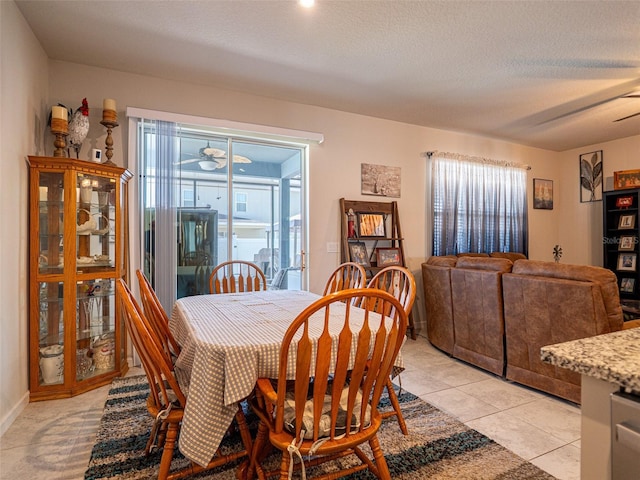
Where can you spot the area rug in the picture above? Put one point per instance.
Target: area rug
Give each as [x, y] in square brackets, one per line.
[438, 446]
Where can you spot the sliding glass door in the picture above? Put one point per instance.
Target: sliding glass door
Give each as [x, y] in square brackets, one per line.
[207, 198]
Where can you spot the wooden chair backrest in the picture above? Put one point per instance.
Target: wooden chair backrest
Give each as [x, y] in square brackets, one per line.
[156, 315]
[399, 282]
[160, 373]
[378, 340]
[237, 276]
[347, 275]
[203, 263]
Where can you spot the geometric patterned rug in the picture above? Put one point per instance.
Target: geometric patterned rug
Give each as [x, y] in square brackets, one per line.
[438, 446]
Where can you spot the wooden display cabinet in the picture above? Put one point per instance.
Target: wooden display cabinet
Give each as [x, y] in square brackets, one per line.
[371, 236]
[78, 248]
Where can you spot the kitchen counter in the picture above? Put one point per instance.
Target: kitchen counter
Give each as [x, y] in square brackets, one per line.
[607, 363]
[613, 357]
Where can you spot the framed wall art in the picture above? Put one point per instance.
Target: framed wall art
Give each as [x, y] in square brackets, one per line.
[358, 252]
[626, 179]
[371, 225]
[627, 261]
[542, 194]
[591, 176]
[388, 256]
[380, 180]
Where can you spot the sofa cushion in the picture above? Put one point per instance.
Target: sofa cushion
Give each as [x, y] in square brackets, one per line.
[436, 279]
[478, 320]
[606, 280]
[513, 256]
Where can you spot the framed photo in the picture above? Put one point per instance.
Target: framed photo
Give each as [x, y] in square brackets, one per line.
[627, 242]
[388, 256]
[624, 202]
[627, 285]
[543, 194]
[626, 179]
[358, 251]
[371, 224]
[591, 176]
[627, 222]
[627, 262]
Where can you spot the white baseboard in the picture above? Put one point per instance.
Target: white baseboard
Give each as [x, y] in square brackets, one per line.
[10, 417]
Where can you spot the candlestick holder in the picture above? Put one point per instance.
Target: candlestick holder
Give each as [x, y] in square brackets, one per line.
[109, 140]
[59, 129]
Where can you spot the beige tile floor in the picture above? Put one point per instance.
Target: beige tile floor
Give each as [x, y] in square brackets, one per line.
[52, 440]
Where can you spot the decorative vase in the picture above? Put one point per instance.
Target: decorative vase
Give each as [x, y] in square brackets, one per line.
[52, 363]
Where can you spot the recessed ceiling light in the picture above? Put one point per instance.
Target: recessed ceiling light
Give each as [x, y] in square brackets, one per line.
[307, 3]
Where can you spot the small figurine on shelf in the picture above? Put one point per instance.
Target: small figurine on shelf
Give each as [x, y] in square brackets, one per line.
[79, 127]
[351, 224]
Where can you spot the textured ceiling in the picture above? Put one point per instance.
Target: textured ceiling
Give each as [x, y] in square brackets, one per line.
[540, 73]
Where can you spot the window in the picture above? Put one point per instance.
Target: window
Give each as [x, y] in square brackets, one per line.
[478, 206]
[241, 202]
[187, 198]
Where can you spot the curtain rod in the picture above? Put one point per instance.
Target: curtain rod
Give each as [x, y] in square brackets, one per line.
[471, 158]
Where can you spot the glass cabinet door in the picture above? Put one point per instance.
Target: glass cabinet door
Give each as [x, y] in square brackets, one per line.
[95, 327]
[51, 333]
[95, 222]
[51, 222]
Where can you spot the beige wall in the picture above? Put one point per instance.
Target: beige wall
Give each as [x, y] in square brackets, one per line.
[580, 224]
[23, 106]
[334, 170]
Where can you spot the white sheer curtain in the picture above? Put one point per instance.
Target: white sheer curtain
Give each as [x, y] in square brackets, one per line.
[160, 192]
[478, 205]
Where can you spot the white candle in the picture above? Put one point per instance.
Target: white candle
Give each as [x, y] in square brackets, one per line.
[59, 112]
[109, 104]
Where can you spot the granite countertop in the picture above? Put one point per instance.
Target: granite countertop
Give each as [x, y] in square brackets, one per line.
[612, 357]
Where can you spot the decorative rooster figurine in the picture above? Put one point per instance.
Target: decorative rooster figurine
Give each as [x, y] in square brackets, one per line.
[79, 127]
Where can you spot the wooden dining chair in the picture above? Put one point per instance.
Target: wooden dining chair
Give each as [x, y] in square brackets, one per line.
[347, 275]
[303, 413]
[157, 316]
[237, 276]
[166, 399]
[400, 283]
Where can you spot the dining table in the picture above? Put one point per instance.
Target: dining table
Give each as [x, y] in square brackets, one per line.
[227, 342]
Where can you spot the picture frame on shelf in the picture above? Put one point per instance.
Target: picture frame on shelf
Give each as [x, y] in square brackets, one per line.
[627, 222]
[371, 225]
[388, 256]
[358, 252]
[627, 243]
[627, 262]
[624, 202]
[542, 194]
[626, 179]
[627, 284]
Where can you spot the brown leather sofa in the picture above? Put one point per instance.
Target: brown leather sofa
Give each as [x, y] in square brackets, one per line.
[497, 316]
[547, 303]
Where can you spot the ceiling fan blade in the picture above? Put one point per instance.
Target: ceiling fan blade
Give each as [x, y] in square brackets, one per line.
[628, 116]
[586, 103]
[188, 161]
[212, 152]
